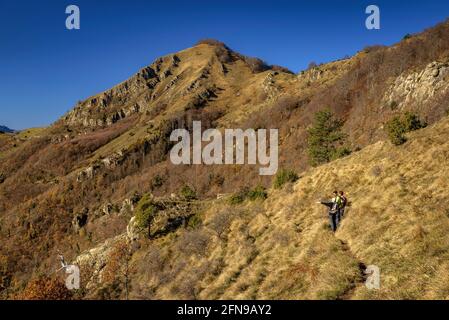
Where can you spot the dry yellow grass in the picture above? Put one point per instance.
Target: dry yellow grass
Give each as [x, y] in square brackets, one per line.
[282, 248]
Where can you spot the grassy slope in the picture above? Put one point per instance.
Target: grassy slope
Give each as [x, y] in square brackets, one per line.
[282, 248]
[10, 141]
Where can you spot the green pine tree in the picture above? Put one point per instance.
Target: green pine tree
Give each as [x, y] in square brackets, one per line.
[325, 138]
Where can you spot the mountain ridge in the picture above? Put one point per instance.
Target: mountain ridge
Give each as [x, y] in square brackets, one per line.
[74, 187]
[5, 129]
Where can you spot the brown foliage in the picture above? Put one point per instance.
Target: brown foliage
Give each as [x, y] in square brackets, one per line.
[45, 288]
[193, 242]
[211, 42]
[118, 269]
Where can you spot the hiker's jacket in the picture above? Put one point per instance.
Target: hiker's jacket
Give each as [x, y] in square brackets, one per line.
[338, 201]
[333, 206]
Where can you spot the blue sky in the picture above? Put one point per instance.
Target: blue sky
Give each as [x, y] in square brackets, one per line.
[45, 68]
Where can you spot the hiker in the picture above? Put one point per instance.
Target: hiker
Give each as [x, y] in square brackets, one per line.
[344, 202]
[338, 201]
[334, 206]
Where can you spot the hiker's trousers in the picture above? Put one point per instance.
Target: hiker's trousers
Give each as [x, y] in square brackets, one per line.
[333, 220]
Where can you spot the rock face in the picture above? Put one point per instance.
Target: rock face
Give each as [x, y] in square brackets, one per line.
[132, 230]
[87, 173]
[269, 85]
[418, 86]
[130, 97]
[96, 259]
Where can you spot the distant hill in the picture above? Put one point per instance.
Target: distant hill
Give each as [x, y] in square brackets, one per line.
[5, 129]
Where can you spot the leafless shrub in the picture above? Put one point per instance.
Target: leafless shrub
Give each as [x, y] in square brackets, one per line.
[281, 69]
[193, 242]
[186, 288]
[280, 110]
[312, 65]
[211, 42]
[370, 49]
[282, 237]
[221, 222]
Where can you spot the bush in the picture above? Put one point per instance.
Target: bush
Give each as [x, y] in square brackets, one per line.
[45, 288]
[407, 36]
[216, 180]
[211, 42]
[239, 197]
[220, 222]
[187, 193]
[157, 182]
[412, 122]
[398, 126]
[312, 65]
[325, 139]
[396, 131]
[194, 222]
[283, 176]
[281, 69]
[145, 211]
[393, 105]
[340, 153]
[255, 64]
[194, 242]
[258, 192]
[374, 48]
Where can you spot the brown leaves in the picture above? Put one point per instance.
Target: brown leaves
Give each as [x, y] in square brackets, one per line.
[45, 288]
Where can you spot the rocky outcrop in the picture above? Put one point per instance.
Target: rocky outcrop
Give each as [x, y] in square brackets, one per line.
[114, 160]
[313, 74]
[87, 173]
[128, 205]
[60, 138]
[269, 85]
[417, 86]
[133, 230]
[95, 259]
[111, 162]
[125, 99]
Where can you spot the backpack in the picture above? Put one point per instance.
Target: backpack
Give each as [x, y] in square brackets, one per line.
[344, 201]
[338, 201]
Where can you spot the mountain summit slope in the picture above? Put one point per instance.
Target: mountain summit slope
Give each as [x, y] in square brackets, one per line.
[74, 187]
[282, 248]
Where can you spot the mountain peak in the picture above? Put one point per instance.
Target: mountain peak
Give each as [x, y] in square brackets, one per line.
[190, 78]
